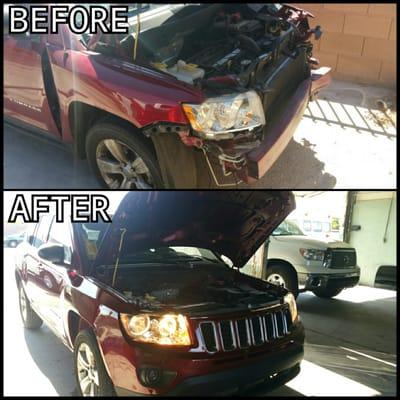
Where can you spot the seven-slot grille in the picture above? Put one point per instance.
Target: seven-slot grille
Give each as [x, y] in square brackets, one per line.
[242, 333]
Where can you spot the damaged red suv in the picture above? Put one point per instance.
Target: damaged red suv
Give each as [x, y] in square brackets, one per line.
[196, 95]
[155, 303]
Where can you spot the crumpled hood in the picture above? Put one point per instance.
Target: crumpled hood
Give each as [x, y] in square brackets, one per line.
[231, 223]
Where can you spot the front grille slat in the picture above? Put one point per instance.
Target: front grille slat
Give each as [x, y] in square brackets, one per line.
[208, 333]
[243, 333]
[246, 332]
[227, 335]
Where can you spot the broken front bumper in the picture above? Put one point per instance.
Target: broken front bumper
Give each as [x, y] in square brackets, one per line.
[279, 131]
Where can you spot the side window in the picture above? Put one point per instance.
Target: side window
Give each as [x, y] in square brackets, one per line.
[60, 234]
[42, 231]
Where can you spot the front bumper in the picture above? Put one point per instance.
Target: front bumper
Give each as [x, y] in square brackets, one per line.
[277, 368]
[330, 281]
[279, 130]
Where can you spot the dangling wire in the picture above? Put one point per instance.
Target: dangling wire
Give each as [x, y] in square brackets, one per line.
[121, 241]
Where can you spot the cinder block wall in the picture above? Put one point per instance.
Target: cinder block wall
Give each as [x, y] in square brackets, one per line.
[359, 40]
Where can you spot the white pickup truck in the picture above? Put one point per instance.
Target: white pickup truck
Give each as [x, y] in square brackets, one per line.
[300, 263]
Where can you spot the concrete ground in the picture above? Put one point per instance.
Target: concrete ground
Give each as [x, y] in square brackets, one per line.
[350, 347]
[344, 141]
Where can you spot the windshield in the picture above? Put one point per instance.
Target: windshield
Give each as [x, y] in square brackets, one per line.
[288, 228]
[133, 11]
[91, 235]
[168, 255]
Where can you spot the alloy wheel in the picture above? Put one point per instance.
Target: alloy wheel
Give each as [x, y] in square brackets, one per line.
[87, 371]
[121, 167]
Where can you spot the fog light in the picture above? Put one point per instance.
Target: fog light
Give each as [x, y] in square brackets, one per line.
[150, 377]
[316, 282]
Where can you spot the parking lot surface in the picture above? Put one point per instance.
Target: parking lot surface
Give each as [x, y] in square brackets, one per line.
[350, 347]
[344, 141]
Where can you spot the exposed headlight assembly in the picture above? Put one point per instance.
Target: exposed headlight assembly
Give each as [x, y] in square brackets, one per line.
[313, 254]
[168, 329]
[220, 117]
[291, 301]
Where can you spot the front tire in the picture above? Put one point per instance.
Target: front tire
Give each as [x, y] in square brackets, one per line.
[327, 293]
[121, 160]
[29, 318]
[90, 373]
[12, 243]
[283, 275]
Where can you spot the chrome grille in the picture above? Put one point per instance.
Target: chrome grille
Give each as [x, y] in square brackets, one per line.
[228, 335]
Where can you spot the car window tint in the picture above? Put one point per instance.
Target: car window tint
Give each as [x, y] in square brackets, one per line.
[42, 231]
[60, 234]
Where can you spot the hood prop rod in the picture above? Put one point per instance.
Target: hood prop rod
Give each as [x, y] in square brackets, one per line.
[137, 31]
[121, 241]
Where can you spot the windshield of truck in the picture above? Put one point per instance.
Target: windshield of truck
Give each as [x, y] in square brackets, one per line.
[288, 228]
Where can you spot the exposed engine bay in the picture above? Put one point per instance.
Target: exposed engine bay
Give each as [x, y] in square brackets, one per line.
[193, 287]
[226, 49]
[204, 41]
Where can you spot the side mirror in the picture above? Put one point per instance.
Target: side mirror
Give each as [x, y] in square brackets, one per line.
[53, 253]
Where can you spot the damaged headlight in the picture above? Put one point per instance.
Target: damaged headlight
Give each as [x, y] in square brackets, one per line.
[291, 301]
[166, 329]
[219, 117]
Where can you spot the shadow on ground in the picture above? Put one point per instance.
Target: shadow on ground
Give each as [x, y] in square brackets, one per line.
[53, 359]
[297, 167]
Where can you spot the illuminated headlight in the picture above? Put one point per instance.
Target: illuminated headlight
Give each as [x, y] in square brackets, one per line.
[220, 117]
[291, 301]
[166, 329]
[313, 254]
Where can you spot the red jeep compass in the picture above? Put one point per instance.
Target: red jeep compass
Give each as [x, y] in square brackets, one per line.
[195, 95]
[154, 303]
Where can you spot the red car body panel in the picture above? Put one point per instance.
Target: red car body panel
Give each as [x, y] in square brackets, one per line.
[137, 94]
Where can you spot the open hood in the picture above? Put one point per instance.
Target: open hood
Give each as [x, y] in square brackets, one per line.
[230, 223]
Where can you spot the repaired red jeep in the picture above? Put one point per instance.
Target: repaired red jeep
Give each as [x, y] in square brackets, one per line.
[155, 303]
[195, 96]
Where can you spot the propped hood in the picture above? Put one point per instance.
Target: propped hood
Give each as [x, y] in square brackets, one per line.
[231, 223]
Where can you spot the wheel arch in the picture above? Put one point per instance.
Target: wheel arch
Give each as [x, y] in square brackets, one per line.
[82, 116]
[279, 261]
[75, 324]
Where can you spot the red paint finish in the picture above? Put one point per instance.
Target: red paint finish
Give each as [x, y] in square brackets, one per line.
[137, 94]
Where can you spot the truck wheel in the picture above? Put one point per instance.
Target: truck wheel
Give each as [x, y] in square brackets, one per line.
[91, 376]
[12, 243]
[327, 293]
[120, 160]
[282, 275]
[30, 319]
